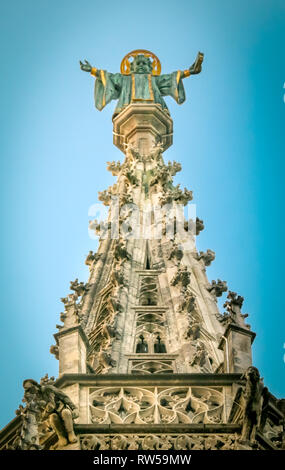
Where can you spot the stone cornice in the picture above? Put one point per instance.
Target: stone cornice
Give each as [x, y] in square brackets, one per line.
[92, 380]
[195, 428]
[238, 329]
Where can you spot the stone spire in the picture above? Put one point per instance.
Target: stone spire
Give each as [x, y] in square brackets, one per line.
[147, 279]
[146, 359]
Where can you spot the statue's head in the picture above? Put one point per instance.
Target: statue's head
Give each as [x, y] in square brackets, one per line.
[252, 374]
[141, 64]
[29, 384]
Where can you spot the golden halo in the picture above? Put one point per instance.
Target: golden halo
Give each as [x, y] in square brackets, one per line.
[126, 64]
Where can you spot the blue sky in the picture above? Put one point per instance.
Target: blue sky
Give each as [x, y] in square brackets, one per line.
[228, 136]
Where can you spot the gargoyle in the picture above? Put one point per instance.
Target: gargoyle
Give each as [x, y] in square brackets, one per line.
[251, 403]
[44, 402]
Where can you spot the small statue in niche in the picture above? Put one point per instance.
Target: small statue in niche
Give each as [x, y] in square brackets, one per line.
[142, 347]
[159, 347]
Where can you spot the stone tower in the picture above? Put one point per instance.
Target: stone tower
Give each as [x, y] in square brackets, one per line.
[146, 359]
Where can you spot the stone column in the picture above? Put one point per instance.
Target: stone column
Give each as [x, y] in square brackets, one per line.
[236, 344]
[73, 346]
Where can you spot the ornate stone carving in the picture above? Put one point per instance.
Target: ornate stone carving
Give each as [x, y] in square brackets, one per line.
[54, 350]
[217, 288]
[175, 194]
[201, 358]
[45, 402]
[207, 257]
[153, 405]
[105, 360]
[173, 167]
[100, 227]
[181, 277]
[120, 251]
[133, 153]
[194, 227]
[126, 196]
[72, 311]
[274, 433]
[234, 315]
[193, 331]
[176, 252]
[79, 287]
[130, 174]
[114, 167]
[92, 258]
[105, 197]
[188, 302]
[148, 291]
[117, 276]
[159, 442]
[251, 404]
[152, 366]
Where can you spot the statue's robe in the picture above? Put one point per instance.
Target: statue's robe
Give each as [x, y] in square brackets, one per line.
[137, 88]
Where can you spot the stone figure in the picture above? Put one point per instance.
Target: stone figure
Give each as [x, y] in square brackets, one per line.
[182, 276]
[251, 402]
[105, 361]
[139, 81]
[201, 358]
[187, 302]
[46, 402]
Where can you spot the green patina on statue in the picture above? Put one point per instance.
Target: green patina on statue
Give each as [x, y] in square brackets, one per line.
[139, 82]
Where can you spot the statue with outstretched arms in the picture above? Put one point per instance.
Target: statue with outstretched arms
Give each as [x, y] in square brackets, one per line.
[140, 81]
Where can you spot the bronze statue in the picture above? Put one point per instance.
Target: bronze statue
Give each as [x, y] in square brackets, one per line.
[139, 81]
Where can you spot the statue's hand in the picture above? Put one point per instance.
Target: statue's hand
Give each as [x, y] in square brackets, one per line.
[197, 66]
[85, 67]
[75, 413]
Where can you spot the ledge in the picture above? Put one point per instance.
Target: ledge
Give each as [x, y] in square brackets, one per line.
[168, 380]
[149, 308]
[195, 428]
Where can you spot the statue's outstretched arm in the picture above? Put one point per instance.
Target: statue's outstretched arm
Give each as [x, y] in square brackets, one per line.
[195, 68]
[86, 67]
